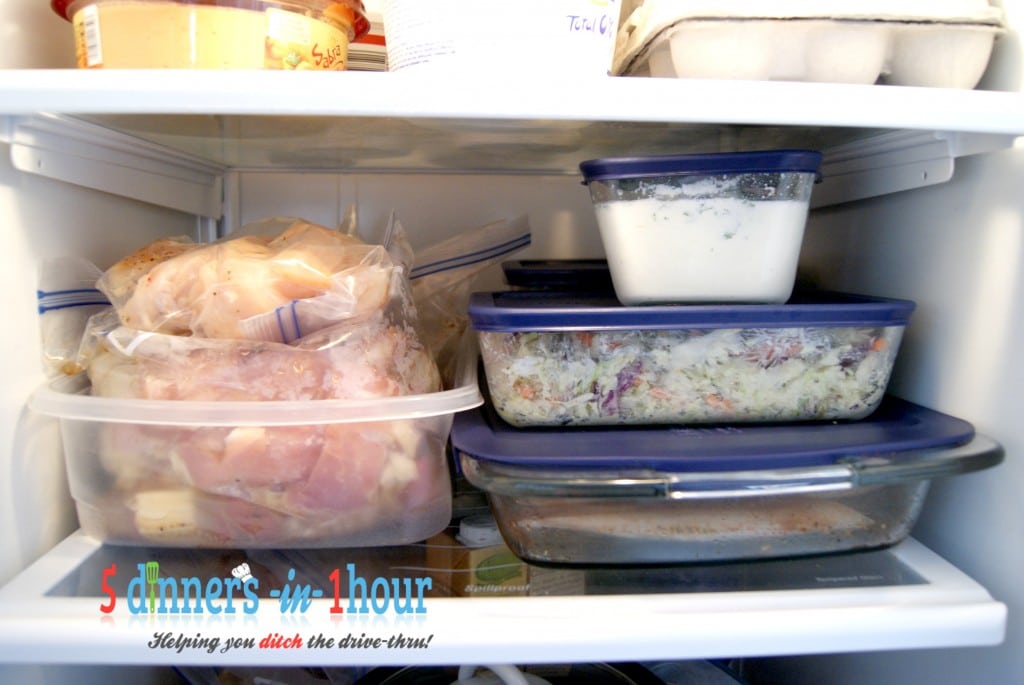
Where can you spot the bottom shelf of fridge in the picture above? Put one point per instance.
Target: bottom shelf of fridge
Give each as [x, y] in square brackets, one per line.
[86, 602]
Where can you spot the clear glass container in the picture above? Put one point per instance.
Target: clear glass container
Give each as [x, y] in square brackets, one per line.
[644, 516]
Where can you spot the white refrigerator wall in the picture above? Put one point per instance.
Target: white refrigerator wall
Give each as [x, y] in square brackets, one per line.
[957, 249]
[432, 207]
[44, 219]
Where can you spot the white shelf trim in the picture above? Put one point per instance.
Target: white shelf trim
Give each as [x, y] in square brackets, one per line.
[950, 610]
[897, 161]
[88, 155]
[531, 97]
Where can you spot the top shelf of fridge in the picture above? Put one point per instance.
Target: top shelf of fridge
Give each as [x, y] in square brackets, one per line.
[168, 137]
[371, 121]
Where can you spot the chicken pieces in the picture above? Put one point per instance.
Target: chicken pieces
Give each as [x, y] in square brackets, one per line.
[245, 288]
[190, 323]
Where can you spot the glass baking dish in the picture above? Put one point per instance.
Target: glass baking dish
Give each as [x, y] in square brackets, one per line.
[722, 493]
[582, 359]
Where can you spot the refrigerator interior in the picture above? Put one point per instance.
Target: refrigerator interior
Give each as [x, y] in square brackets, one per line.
[954, 246]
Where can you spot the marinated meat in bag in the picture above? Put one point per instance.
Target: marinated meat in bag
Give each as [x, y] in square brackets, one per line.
[252, 287]
[264, 484]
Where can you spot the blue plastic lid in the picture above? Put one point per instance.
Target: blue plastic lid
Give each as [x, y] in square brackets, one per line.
[559, 274]
[527, 310]
[896, 426]
[765, 161]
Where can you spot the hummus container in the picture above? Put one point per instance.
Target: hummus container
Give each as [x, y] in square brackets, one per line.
[257, 474]
[720, 227]
[565, 359]
[681, 495]
[906, 42]
[214, 34]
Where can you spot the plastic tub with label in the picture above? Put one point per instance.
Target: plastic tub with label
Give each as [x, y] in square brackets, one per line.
[573, 359]
[681, 495]
[214, 34]
[718, 227]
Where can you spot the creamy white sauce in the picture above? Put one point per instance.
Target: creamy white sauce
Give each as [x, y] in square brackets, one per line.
[702, 250]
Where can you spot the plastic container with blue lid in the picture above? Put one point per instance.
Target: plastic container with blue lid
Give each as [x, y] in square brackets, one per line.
[713, 493]
[717, 227]
[582, 359]
[755, 162]
[584, 275]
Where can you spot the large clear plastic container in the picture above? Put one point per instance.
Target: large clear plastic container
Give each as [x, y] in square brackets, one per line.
[319, 473]
[724, 227]
[682, 495]
[571, 359]
[214, 34]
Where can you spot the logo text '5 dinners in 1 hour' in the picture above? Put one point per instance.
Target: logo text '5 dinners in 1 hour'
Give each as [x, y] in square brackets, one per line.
[149, 592]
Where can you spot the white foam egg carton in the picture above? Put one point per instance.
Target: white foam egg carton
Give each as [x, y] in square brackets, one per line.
[933, 43]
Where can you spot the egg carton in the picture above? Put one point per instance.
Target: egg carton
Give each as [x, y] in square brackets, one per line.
[944, 43]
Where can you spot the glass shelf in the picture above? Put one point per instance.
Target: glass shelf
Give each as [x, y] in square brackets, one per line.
[900, 598]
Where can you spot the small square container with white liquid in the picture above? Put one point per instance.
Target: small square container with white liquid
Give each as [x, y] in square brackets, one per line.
[703, 228]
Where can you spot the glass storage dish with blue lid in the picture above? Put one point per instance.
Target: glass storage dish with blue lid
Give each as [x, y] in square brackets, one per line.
[658, 495]
[576, 359]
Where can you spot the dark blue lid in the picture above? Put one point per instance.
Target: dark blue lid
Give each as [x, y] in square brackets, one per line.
[765, 161]
[559, 274]
[896, 426]
[527, 310]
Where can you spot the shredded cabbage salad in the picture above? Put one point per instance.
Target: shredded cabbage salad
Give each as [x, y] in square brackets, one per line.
[688, 376]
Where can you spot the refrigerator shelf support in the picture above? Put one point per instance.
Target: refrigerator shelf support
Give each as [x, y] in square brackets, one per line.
[101, 157]
[92, 156]
[897, 161]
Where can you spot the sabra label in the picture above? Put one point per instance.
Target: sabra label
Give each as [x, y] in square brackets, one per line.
[295, 41]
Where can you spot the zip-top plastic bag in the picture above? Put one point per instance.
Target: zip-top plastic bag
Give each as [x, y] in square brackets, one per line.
[251, 287]
[442, 281]
[285, 310]
[66, 298]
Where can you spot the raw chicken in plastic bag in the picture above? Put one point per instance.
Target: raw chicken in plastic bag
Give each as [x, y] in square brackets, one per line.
[315, 483]
[254, 286]
[309, 484]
